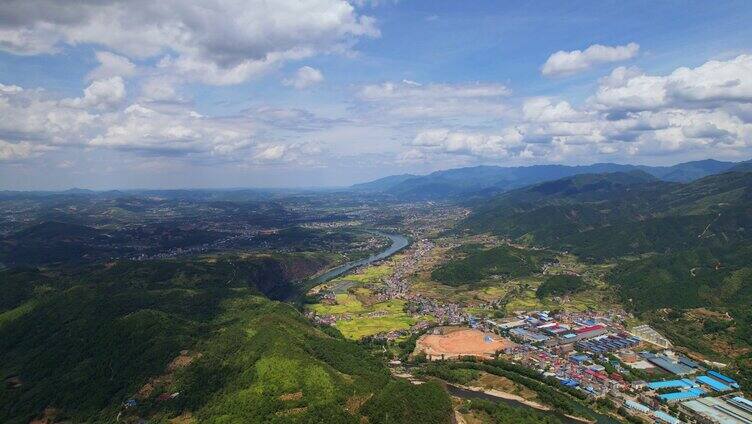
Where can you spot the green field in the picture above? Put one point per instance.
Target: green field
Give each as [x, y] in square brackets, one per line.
[363, 320]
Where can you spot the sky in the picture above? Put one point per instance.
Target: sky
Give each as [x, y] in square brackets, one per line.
[105, 94]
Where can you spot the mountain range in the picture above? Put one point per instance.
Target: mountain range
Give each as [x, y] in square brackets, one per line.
[489, 180]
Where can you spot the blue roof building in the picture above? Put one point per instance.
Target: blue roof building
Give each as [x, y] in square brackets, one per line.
[713, 384]
[655, 385]
[579, 358]
[689, 394]
[728, 380]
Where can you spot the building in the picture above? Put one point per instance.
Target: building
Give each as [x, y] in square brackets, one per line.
[688, 362]
[610, 343]
[637, 406]
[528, 336]
[665, 363]
[713, 410]
[508, 325]
[663, 417]
[579, 359]
[680, 396]
[584, 333]
[646, 333]
[723, 379]
[714, 384]
[671, 384]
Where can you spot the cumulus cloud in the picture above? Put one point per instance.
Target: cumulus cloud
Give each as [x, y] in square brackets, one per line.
[467, 143]
[100, 94]
[567, 63]
[170, 132]
[711, 84]
[32, 116]
[304, 77]
[543, 109]
[111, 65]
[698, 111]
[214, 41]
[691, 111]
[35, 122]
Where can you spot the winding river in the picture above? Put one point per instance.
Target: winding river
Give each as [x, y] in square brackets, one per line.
[399, 242]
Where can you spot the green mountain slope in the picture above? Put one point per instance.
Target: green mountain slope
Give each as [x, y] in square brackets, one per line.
[611, 215]
[79, 343]
[472, 264]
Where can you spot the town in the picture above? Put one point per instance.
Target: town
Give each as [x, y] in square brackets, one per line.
[596, 352]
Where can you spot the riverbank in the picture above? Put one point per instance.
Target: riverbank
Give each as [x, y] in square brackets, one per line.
[399, 242]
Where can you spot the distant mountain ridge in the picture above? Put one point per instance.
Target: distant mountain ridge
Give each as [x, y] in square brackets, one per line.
[489, 180]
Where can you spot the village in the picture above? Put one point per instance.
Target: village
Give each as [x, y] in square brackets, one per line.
[595, 352]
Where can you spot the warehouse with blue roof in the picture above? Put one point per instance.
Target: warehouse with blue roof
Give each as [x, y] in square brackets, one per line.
[725, 379]
[677, 396]
[713, 384]
[655, 385]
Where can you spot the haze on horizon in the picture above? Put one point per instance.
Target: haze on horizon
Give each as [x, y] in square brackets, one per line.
[227, 93]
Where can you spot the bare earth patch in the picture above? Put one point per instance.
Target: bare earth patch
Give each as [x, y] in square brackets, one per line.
[455, 342]
[291, 396]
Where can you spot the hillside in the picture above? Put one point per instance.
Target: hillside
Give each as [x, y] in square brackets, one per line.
[682, 251]
[470, 264]
[489, 180]
[611, 215]
[201, 328]
[383, 183]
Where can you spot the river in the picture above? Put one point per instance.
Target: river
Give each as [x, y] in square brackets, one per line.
[472, 394]
[399, 242]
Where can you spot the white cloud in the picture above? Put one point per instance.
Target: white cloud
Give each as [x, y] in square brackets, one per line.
[446, 141]
[691, 113]
[410, 99]
[542, 109]
[714, 83]
[415, 90]
[32, 116]
[17, 151]
[34, 122]
[215, 41]
[173, 131]
[280, 153]
[304, 77]
[100, 94]
[567, 63]
[111, 65]
[160, 89]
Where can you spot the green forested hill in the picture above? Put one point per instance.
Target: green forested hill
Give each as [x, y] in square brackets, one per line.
[473, 263]
[80, 342]
[683, 251]
[611, 215]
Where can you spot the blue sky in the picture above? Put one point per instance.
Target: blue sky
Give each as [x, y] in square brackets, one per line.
[227, 93]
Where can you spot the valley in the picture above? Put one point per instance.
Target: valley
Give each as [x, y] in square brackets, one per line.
[572, 300]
